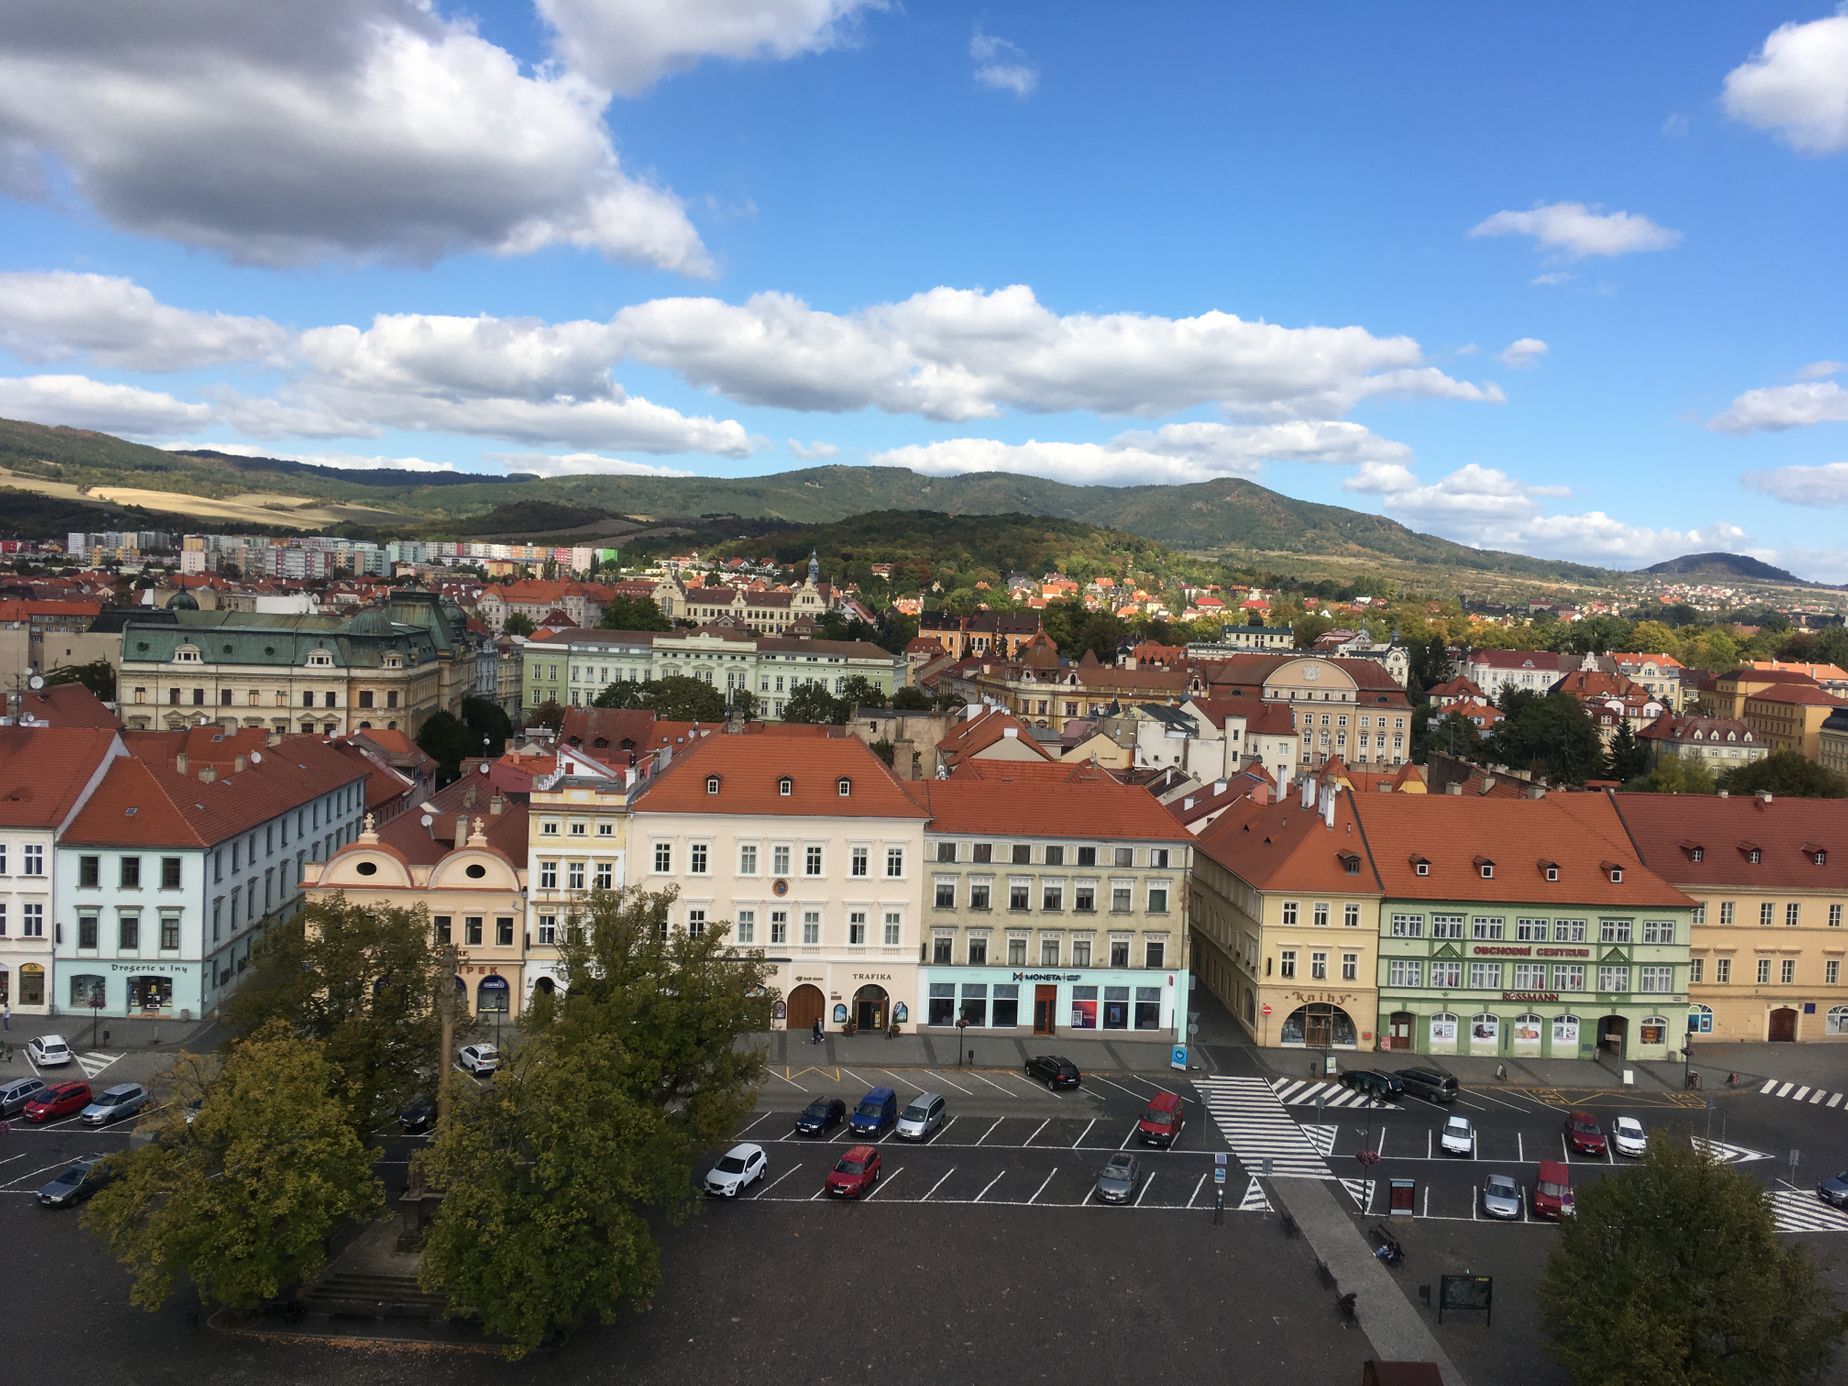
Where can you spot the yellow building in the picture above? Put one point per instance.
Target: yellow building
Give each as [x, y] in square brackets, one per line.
[1789, 717]
[1771, 879]
[1286, 921]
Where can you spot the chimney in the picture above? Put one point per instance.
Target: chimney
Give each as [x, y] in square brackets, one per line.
[1260, 793]
[1219, 786]
[179, 763]
[1455, 788]
[239, 765]
[1010, 733]
[1764, 797]
[497, 805]
[275, 738]
[461, 829]
[207, 773]
[1328, 810]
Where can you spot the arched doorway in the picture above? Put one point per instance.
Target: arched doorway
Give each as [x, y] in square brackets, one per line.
[1612, 1031]
[1399, 1030]
[544, 986]
[805, 1007]
[491, 996]
[1781, 1026]
[869, 1007]
[1318, 1026]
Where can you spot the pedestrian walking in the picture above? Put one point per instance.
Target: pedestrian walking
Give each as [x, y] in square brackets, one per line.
[815, 1033]
[6, 1015]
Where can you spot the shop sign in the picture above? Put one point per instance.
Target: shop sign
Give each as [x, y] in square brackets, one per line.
[1527, 950]
[1530, 996]
[810, 977]
[1333, 998]
[871, 976]
[1049, 976]
[153, 969]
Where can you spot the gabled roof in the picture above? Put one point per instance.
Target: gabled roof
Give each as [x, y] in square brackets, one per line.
[66, 705]
[749, 768]
[1284, 846]
[1048, 801]
[44, 769]
[424, 844]
[973, 735]
[1795, 695]
[1664, 828]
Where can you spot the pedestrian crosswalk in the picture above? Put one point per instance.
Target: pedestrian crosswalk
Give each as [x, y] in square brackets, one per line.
[1797, 1210]
[1258, 1129]
[1797, 1092]
[1361, 1191]
[1295, 1092]
[94, 1063]
[1727, 1154]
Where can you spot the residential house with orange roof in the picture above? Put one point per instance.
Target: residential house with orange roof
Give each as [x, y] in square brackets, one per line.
[47, 775]
[1658, 672]
[1285, 913]
[812, 850]
[987, 733]
[1056, 903]
[180, 861]
[1526, 928]
[1720, 743]
[1789, 717]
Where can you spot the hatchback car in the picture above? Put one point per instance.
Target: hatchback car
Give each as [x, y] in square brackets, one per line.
[1371, 1082]
[76, 1182]
[1584, 1134]
[15, 1094]
[1501, 1197]
[58, 1100]
[1628, 1137]
[1834, 1190]
[855, 1173]
[48, 1051]
[737, 1169]
[821, 1116]
[115, 1104]
[1117, 1180]
[478, 1059]
[417, 1116]
[1053, 1071]
[1458, 1137]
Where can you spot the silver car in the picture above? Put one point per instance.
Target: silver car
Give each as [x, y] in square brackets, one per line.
[1117, 1181]
[15, 1094]
[115, 1104]
[1501, 1197]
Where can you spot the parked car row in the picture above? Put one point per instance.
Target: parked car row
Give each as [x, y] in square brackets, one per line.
[38, 1101]
[1432, 1084]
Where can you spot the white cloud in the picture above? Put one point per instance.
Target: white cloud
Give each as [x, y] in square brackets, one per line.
[432, 354]
[1822, 370]
[961, 354]
[629, 45]
[364, 129]
[1523, 352]
[811, 452]
[1826, 484]
[1381, 478]
[1797, 85]
[1778, 407]
[54, 315]
[259, 417]
[1177, 453]
[344, 461]
[1552, 277]
[76, 401]
[631, 424]
[579, 464]
[1001, 65]
[1675, 125]
[1576, 230]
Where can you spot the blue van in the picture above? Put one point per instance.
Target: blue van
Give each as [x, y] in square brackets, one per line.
[875, 1114]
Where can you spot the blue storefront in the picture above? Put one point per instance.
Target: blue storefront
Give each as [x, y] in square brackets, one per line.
[1092, 1003]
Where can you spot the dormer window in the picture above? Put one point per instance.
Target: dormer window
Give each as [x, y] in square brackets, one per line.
[712, 784]
[785, 786]
[1420, 866]
[1697, 854]
[1815, 852]
[1350, 863]
[1485, 866]
[1551, 868]
[186, 654]
[1753, 856]
[845, 786]
[1612, 870]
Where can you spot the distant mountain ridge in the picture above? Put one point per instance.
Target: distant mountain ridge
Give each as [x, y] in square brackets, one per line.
[1736, 565]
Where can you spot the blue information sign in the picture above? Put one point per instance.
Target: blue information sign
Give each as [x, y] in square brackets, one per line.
[1179, 1058]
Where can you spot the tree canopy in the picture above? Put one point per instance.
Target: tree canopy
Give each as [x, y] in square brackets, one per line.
[241, 1201]
[1786, 772]
[634, 613]
[446, 739]
[1673, 1274]
[1549, 733]
[487, 721]
[678, 697]
[518, 623]
[813, 703]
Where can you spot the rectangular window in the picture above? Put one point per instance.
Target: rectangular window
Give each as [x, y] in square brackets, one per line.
[1831, 972]
[1122, 897]
[1350, 916]
[1154, 951]
[895, 863]
[1289, 913]
[747, 859]
[86, 929]
[696, 859]
[856, 928]
[1350, 967]
[1016, 950]
[1400, 972]
[1021, 854]
[1483, 928]
[1764, 971]
[129, 876]
[503, 930]
[548, 930]
[1119, 950]
[548, 875]
[35, 860]
[440, 926]
[1125, 856]
[979, 892]
[1446, 972]
[946, 893]
[1700, 912]
[1613, 978]
[1614, 930]
[89, 870]
[811, 927]
[1568, 931]
[1835, 916]
[857, 862]
[1321, 914]
[941, 1004]
[946, 851]
[1657, 978]
[1318, 966]
[1158, 901]
[604, 877]
[1658, 931]
[1787, 971]
[1019, 895]
[894, 928]
[1087, 856]
[128, 931]
[779, 926]
[1055, 854]
[1530, 930]
[1766, 912]
[779, 860]
[1406, 926]
[1049, 950]
[574, 875]
[1568, 976]
[1722, 969]
[1726, 911]
[1081, 950]
[1116, 1008]
[1793, 911]
[942, 950]
[1697, 968]
[1485, 975]
[31, 921]
[1286, 963]
[471, 930]
[1006, 1013]
[1530, 976]
[978, 950]
[1084, 897]
[663, 857]
[1447, 926]
[982, 851]
[169, 931]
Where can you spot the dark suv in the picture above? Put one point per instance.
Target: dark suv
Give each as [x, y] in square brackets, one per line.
[1053, 1071]
[821, 1116]
[1371, 1082]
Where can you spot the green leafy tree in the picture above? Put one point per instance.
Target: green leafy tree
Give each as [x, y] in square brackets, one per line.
[813, 703]
[1305, 630]
[1430, 663]
[1550, 734]
[859, 691]
[359, 980]
[910, 699]
[634, 613]
[446, 740]
[548, 1219]
[683, 698]
[621, 694]
[243, 1200]
[1451, 733]
[1628, 757]
[547, 714]
[1675, 775]
[1674, 1274]
[487, 721]
[518, 623]
[1786, 772]
[746, 704]
[98, 676]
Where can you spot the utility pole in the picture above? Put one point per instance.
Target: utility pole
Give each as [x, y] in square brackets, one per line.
[446, 1015]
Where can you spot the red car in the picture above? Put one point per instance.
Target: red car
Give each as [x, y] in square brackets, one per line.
[58, 1100]
[1584, 1134]
[856, 1173]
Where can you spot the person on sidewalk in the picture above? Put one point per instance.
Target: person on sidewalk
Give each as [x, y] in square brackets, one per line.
[6, 1015]
[816, 1033]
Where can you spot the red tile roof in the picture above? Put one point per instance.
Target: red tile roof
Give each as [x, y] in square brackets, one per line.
[66, 705]
[1048, 801]
[1284, 846]
[44, 769]
[1666, 828]
[1580, 833]
[973, 735]
[423, 844]
[1795, 695]
[749, 768]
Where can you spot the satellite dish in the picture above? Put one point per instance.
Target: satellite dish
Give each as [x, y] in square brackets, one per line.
[427, 820]
[484, 767]
[256, 757]
[35, 683]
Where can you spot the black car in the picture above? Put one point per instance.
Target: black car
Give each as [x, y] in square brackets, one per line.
[1053, 1071]
[821, 1116]
[1370, 1082]
[417, 1116]
[76, 1182]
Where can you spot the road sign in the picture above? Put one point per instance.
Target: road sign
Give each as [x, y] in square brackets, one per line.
[1193, 1029]
[1219, 1174]
[1219, 1157]
[1178, 1058]
[1264, 1010]
[1473, 1293]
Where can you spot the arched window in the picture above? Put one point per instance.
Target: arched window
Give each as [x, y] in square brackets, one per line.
[1700, 1020]
[1653, 1030]
[1444, 1028]
[1484, 1030]
[1836, 1023]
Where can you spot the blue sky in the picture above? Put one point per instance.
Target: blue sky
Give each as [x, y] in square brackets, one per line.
[1570, 283]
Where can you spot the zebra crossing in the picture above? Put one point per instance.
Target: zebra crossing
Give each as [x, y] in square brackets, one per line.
[1797, 1092]
[1797, 1210]
[1727, 1154]
[1297, 1092]
[95, 1062]
[1258, 1129]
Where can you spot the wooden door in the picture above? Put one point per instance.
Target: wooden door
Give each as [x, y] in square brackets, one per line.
[805, 1007]
[1783, 1027]
[1401, 1037]
[1045, 1010]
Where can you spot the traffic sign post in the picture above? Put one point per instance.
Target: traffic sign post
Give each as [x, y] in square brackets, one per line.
[1177, 1058]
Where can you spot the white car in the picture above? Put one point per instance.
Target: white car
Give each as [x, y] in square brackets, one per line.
[48, 1051]
[478, 1059]
[1458, 1137]
[737, 1169]
[1628, 1137]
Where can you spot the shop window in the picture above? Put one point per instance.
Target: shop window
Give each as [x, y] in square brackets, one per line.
[1116, 1008]
[974, 1003]
[1006, 1011]
[1148, 1008]
[941, 1003]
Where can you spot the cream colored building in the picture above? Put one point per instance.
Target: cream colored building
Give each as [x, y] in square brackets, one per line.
[577, 841]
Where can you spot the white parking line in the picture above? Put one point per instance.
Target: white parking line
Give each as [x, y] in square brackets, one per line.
[1130, 1137]
[989, 1132]
[1036, 1130]
[21, 1178]
[989, 1185]
[1035, 1085]
[759, 1122]
[774, 1182]
[884, 1179]
[1145, 1190]
[1082, 1134]
[1037, 1192]
[1520, 1147]
[999, 1087]
[1197, 1187]
[934, 1187]
[791, 1081]
[9, 1159]
[906, 1081]
[1099, 1078]
[857, 1078]
[1503, 1102]
[939, 1078]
